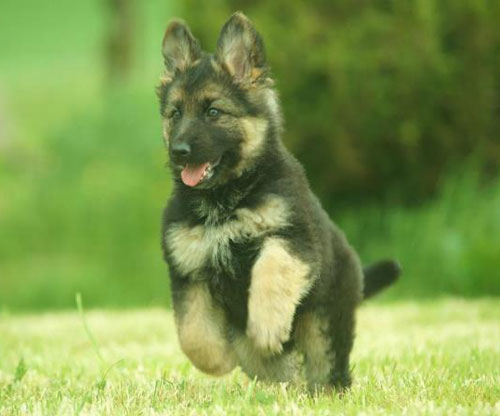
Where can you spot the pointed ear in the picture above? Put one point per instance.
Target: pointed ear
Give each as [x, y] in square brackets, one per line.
[180, 49]
[240, 49]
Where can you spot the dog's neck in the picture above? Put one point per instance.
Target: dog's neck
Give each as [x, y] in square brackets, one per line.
[217, 205]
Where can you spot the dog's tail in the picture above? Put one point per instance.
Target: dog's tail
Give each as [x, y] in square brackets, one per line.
[380, 275]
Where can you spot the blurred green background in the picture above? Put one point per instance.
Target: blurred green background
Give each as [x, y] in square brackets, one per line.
[393, 107]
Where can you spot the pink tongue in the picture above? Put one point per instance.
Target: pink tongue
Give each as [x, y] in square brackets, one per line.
[191, 175]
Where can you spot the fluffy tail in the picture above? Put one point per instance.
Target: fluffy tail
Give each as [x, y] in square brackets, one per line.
[380, 275]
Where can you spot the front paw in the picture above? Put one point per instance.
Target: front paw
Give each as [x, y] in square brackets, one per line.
[267, 336]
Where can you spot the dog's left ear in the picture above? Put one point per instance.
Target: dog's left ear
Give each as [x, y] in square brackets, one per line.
[240, 49]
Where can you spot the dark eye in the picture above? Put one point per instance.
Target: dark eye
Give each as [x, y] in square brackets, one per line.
[175, 115]
[213, 112]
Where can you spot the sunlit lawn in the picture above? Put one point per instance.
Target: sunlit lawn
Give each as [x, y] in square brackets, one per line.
[440, 357]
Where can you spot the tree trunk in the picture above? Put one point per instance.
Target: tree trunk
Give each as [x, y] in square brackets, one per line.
[119, 41]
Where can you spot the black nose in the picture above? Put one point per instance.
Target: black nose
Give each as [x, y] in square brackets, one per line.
[180, 150]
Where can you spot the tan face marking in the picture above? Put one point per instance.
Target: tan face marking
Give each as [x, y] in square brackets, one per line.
[254, 131]
[201, 328]
[272, 102]
[211, 90]
[166, 131]
[176, 93]
[191, 247]
[165, 79]
[279, 282]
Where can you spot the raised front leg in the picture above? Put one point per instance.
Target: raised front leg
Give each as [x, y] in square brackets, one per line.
[279, 282]
[201, 327]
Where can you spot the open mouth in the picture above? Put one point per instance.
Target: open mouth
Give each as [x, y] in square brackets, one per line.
[193, 174]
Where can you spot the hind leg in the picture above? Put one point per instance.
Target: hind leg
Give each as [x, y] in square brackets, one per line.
[312, 337]
[326, 344]
[325, 334]
[343, 339]
[348, 289]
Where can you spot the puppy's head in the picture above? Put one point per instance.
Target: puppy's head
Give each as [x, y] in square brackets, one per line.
[218, 109]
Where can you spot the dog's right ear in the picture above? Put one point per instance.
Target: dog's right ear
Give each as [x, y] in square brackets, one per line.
[180, 49]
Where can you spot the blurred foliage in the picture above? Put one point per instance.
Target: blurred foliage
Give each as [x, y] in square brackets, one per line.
[380, 97]
[86, 217]
[82, 163]
[448, 246]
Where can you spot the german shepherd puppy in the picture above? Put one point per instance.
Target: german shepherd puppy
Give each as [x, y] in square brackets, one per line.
[260, 276]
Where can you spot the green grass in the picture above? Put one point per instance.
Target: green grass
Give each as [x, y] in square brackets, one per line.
[409, 358]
